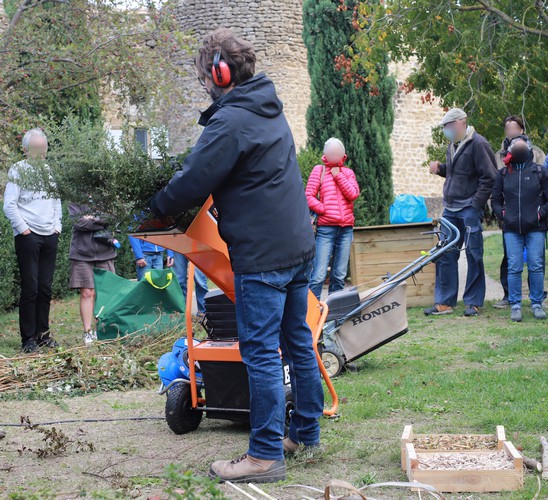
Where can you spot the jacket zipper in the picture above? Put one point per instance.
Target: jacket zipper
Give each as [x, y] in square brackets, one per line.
[519, 200]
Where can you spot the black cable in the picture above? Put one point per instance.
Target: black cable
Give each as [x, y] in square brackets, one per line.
[83, 420]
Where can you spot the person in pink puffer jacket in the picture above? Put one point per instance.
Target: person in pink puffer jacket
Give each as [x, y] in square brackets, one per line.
[330, 192]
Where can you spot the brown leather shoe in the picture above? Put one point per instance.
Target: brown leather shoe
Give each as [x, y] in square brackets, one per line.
[290, 446]
[248, 469]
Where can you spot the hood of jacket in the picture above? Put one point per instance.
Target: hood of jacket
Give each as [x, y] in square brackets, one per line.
[257, 95]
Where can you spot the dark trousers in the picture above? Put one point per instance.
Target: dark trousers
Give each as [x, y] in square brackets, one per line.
[504, 270]
[36, 259]
[447, 267]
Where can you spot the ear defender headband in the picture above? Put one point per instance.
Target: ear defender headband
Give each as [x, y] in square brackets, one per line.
[220, 72]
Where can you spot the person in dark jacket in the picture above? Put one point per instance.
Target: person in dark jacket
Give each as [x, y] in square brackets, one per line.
[88, 249]
[469, 173]
[520, 202]
[513, 127]
[246, 158]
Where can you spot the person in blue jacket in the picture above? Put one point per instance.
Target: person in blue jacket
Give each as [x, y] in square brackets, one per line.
[180, 266]
[148, 256]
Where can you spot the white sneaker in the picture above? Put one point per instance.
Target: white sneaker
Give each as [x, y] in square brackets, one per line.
[90, 337]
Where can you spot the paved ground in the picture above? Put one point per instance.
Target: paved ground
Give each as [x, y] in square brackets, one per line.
[494, 289]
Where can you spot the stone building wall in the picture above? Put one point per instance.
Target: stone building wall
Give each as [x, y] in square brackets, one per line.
[413, 122]
[274, 28]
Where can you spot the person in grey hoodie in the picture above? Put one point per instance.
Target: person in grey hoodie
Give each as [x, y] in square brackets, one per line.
[36, 220]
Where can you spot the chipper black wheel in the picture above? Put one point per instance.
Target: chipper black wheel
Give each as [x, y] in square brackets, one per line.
[180, 416]
[332, 362]
[289, 407]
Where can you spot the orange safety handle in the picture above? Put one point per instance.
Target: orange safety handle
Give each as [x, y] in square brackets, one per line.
[190, 335]
[315, 339]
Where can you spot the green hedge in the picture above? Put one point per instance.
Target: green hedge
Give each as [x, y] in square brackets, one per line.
[125, 262]
[308, 158]
[9, 274]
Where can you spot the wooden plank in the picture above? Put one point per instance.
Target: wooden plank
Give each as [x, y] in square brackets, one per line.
[387, 227]
[407, 434]
[411, 461]
[399, 237]
[425, 301]
[406, 437]
[396, 259]
[375, 245]
[477, 481]
[367, 274]
[501, 437]
[417, 288]
[516, 456]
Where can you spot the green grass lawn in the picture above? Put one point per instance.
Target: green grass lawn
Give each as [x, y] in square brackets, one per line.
[65, 325]
[448, 374]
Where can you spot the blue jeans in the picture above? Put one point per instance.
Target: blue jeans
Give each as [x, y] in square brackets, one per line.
[153, 260]
[535, 243]
[331, 241]
[271, 312]
[447, 267]
[180, 267]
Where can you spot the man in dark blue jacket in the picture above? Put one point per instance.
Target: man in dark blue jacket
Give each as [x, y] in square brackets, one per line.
[246, 158]
[469, 172]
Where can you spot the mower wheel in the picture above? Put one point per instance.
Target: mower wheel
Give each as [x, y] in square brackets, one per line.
[180, 416]
[289, 407]
[332, 362]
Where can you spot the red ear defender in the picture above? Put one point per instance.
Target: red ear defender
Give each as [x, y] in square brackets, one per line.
[220, 72]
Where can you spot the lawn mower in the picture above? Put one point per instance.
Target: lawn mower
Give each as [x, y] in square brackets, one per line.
[358, 323]
[213, 365]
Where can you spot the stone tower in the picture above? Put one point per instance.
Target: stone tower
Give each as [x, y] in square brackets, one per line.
[274, 28]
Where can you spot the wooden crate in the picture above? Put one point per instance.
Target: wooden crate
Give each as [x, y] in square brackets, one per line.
[378, 250]
[408, 436]
[453, 481]
[462, 480]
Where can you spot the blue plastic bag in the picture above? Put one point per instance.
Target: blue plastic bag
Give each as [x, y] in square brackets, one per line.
[408, 208]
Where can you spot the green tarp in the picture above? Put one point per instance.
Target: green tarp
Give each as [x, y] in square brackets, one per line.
[122, 306]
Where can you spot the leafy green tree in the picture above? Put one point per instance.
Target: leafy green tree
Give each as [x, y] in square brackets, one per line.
[488, 57]
[359, 113]
[59, 58]
[84, 163]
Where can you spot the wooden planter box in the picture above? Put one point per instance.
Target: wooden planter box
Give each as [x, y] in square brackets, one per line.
[463, 480]
[378, 250]
[409, 436]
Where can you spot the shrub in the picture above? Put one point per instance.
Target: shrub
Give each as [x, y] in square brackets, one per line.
[308, 158]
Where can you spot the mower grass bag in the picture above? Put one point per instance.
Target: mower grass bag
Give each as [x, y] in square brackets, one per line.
[124, 307]
[377, 324]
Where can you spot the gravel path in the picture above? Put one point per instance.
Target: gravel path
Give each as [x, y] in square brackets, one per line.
[494, 289]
